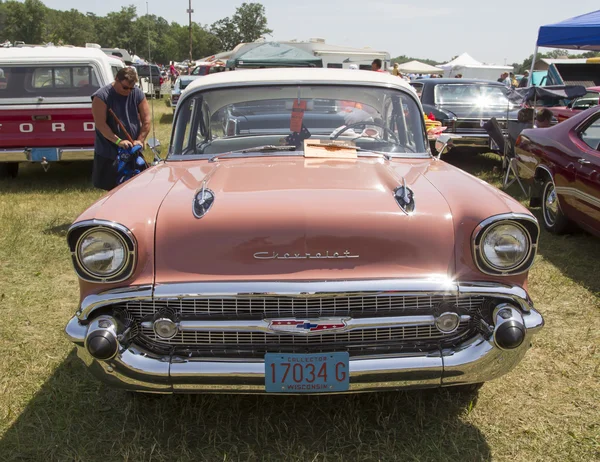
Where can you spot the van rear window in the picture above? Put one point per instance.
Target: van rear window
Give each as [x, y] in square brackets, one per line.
[47, 81]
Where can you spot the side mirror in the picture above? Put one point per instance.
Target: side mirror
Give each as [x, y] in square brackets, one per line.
[443, 143]
[153, 143]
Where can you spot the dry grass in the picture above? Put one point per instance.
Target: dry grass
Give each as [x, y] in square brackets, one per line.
[52, 409]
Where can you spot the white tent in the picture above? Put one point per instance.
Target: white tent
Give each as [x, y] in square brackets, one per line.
[460, 61]
[472, 69]
[417, 67]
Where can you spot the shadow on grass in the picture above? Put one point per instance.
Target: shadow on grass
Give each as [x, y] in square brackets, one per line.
[576, 254]
[32, 178]
[74, 417]
[166, 118]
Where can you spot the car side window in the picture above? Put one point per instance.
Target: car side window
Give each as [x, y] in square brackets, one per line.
[591, 134]
[418, 88]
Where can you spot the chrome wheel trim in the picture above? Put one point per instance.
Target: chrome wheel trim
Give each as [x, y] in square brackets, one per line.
[551, 208]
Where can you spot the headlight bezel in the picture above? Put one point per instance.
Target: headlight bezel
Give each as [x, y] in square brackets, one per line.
[526, 223]
[77, 233]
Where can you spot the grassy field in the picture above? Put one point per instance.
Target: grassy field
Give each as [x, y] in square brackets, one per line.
[51, 408]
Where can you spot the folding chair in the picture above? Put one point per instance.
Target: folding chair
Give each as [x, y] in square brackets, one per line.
[507, 148]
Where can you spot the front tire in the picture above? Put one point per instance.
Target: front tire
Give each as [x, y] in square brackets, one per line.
[9, 170]
[555, 220]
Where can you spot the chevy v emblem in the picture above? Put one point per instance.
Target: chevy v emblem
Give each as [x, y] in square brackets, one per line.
[307, 326]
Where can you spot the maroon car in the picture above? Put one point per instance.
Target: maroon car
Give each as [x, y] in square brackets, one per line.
[563, 165]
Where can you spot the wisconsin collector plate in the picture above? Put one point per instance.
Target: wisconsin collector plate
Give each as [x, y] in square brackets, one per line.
[307, 373]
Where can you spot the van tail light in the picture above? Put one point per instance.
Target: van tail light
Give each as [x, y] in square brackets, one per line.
[161, 80]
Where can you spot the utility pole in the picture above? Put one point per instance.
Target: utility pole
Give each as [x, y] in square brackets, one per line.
[190, 11]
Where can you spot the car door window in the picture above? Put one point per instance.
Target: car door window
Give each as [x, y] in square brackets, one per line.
[591, 134]
[418, 88]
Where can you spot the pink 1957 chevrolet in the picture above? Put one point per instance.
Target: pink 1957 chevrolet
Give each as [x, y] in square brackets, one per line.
[301, 238]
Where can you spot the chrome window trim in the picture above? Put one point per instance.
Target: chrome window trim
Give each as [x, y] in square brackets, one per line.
[405, 287]
[358, 83]
[122, 232]
[512, 218]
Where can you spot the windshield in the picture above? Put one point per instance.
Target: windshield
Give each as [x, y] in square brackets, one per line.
[472, 95]
[234, 119]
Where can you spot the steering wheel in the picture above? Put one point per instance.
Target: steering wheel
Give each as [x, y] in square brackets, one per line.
[365, 124]
[48, 82]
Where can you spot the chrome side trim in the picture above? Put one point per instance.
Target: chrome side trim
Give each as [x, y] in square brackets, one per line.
[578, 194]
[509, 217]
[122, 232]
[263, 325]
[305, 289]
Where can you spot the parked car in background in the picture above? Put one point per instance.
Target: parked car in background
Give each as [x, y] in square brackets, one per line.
[45, 104]
[306, 259]
[464, 105]
[206, 68]
[120, 53]
[562, 165]
[180, 84]
[577, 105]
[151, 81]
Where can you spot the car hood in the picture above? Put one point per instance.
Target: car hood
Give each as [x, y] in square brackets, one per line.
[303, 219]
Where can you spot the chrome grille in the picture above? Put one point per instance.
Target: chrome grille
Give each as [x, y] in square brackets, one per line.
[307, 307]
[352, 338]
[256, 307]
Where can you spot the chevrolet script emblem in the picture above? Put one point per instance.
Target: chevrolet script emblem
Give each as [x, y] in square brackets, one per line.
[307, 326]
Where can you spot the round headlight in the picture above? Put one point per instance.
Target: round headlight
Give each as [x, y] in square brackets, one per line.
[505, 246]
[102, 253]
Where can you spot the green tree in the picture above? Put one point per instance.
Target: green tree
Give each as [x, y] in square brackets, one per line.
[248, 24]
[23, 21]
[69, 28]
[116, 29]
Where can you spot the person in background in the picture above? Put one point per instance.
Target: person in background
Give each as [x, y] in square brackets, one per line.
[543, 119]
[131, 107]
[525, 80]
[376, 65]
[505, 79]
[513, 80]
[395, 70]
[173, 73]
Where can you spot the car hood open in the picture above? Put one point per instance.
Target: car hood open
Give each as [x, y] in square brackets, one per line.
[302, 219]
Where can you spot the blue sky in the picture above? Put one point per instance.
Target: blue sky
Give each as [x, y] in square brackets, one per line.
[437, 29]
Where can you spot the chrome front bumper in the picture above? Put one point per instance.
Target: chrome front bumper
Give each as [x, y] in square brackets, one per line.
[64, 155]
[474, 361]
[470, 140]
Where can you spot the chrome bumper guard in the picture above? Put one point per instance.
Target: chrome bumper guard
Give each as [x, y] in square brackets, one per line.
[476, 360]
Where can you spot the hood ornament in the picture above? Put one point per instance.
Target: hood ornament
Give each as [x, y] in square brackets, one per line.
[203, 201]
[405, 197]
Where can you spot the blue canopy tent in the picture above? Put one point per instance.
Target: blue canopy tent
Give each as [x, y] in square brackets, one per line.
[578, 33]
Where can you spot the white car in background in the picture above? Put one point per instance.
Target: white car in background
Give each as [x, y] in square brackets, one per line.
[180, 84]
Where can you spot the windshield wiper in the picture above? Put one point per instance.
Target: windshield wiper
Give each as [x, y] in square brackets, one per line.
[265, 148]
[275, 148]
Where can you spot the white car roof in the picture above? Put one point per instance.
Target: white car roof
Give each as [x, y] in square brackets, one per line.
[50, 52]
[298, 75]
